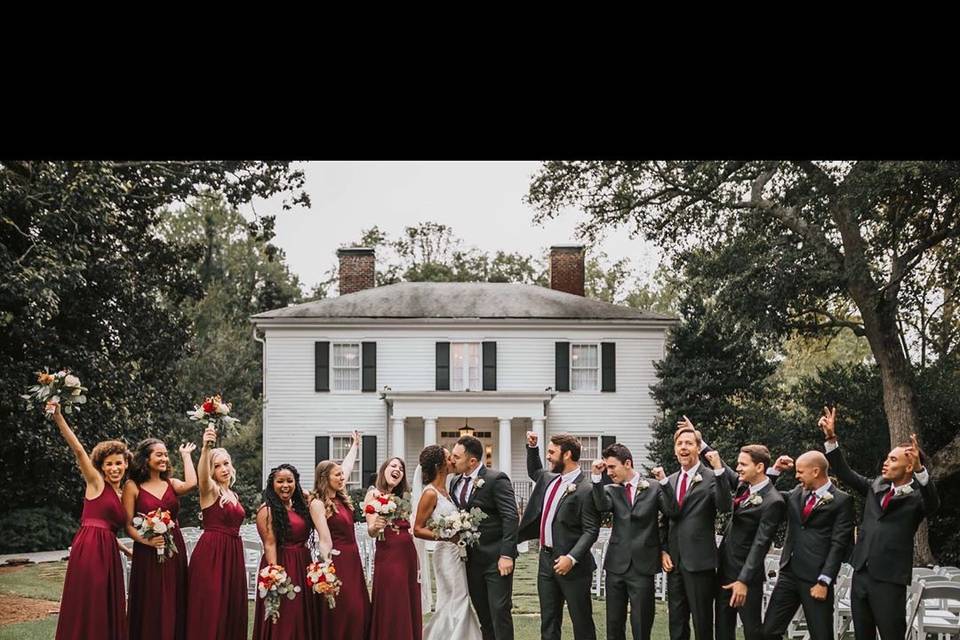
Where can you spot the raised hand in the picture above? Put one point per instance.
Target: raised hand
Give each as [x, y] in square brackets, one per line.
[783, 463]
[658, 473]
[685, 424]
[532, 438]
[912, 453]
[827, 423]
[713, 457]
[187, 448]
[209, 437]
[599, 466]
[356, 438]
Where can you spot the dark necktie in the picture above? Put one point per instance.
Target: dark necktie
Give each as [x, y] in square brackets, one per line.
[807, 508]
[886, 498]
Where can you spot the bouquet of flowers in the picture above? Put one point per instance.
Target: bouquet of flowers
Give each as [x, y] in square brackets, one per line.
[158, 523]
[216, 413]
[61, 388]
[462, 525]
[392, 507]
[273, 583]
[322, 578]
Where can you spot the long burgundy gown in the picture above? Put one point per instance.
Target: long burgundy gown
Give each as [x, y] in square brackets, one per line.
[396, 592]
[93, 604]
[350, 619]
[298, 617]
[158, 590]
[217, 606]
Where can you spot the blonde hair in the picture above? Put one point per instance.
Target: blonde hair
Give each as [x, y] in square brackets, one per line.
[217, 453]
[321, 482]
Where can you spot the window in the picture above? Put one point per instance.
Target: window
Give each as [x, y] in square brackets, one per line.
[346, 367]
[339, 448]
[465, 366]
[589, 451]
[584, 367]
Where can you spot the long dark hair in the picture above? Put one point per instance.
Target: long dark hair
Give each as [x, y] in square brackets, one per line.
[139, 470]
[431, 459]
[278, 513]
[381, 483]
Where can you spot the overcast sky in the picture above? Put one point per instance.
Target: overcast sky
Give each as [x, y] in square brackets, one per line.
[482, 201]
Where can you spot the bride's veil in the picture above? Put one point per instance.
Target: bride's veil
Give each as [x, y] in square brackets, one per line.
[426, 582]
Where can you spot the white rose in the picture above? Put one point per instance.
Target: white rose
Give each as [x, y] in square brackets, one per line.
[71, 381]
[223, 409]
[137, 521]
[77, 392]
[160, 528]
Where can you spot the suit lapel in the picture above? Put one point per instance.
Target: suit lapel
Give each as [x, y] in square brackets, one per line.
[567, 492]
[475, 488]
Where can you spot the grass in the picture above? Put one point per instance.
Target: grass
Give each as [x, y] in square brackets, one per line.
[45, 581]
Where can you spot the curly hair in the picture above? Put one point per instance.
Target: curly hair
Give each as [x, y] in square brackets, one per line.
[278, 512]
[139, 470]
[321, 482]
[381, 482]
[108, 448]
[431, 459]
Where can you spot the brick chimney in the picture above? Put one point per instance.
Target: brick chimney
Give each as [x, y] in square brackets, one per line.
[566, 268]
[357, 268]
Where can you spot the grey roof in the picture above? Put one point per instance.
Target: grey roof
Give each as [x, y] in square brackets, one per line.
[476, 300]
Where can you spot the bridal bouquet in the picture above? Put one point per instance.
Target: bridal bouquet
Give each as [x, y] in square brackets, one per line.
[158, 523]
[322, 578]
[61, 388]
[273, 583]
[464, 525]
[392, 507]
[216, 413]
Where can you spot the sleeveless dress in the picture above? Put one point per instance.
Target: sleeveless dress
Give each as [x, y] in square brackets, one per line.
[298, 616]
[93, 604]
[350, 619]
[455, 617]
[396, 610]
[217, 606]
[158, 590]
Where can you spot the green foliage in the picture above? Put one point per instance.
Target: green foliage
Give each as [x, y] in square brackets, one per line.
[36, 529]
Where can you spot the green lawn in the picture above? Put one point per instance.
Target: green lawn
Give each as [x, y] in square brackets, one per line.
[45, 581]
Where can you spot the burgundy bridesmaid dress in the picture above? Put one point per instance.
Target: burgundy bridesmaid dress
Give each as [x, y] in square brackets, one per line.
[158, 590]
[350, 619]
[396, 592]
[217, 606]
[298, 617]
[93, 604]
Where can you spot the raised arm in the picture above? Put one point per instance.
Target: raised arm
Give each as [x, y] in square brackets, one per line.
[265, 529]
[90, 474]
[722, 495]
[351, 458]
[534, 464]
[208, 489]
[602, 501]
[838, 463]
[928, 490]
[189, 482]
[318, 515]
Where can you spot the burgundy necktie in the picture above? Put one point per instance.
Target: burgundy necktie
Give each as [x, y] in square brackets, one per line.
[740, 498]
[886, 498]
[546, 510]
[463, 491]
[683, 490]
[630, 494]
[807, 508]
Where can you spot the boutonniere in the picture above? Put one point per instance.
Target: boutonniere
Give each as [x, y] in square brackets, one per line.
[479, 483]
[571, 488]
[754, 500]
[826, 498]
[697, 478]
[904, 490]
[643, 484]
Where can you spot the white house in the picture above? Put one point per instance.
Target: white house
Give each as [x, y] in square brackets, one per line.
[413, 364]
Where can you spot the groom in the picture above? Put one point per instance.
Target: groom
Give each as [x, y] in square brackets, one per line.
[490, 562]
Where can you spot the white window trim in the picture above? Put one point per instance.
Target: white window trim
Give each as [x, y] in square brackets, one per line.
[359, 345]
[358, 463]
[587, 462]
[599, 367]
[465, 367]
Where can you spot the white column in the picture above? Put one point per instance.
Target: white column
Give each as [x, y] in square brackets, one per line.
[506, 451]
[429, 431]
[397, 443]
[539, 428]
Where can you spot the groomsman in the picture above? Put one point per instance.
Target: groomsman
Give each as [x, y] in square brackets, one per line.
[690, 555]
[633, 554]
[561, 515]
[896, 502]
[819, 533]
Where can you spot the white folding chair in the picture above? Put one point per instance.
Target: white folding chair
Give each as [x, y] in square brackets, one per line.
[928, 616]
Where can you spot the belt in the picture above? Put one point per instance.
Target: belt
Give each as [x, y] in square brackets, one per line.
[223, 531]
[97, 523]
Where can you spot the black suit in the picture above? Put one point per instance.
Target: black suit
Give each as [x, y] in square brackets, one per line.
[691, 542]
[814, 546]
[490, 592]
[883, 556]
[633, 555]
[574, 529]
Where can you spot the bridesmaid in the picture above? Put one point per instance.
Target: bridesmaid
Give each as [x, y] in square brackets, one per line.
[396, 592]
[350, 619]
[217, 605]
[283, 522]
[158, 590]
[93, 604]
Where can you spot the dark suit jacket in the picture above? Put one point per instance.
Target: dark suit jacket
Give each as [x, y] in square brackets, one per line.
[498, 531]
[576, 523]
[818, 545]
[885, 542]
[635, 539]
[689, 532]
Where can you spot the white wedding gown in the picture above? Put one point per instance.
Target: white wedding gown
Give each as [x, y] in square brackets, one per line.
[454, 618]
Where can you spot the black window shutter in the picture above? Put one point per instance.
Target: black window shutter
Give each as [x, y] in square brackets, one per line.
[369, 366]
[368, 465]
[321, 449]
[606, 441]
[489, 366]
[321, 361]
[563, 366]
[608, 359]
[443, 366]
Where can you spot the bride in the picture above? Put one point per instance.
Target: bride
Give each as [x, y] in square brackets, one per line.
[454, 617]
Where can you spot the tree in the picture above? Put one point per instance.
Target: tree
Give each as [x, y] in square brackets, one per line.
[813, 247]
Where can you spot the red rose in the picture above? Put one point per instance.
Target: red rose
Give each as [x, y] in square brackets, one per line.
[208, 407]
[383, 500]
[369, 509]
